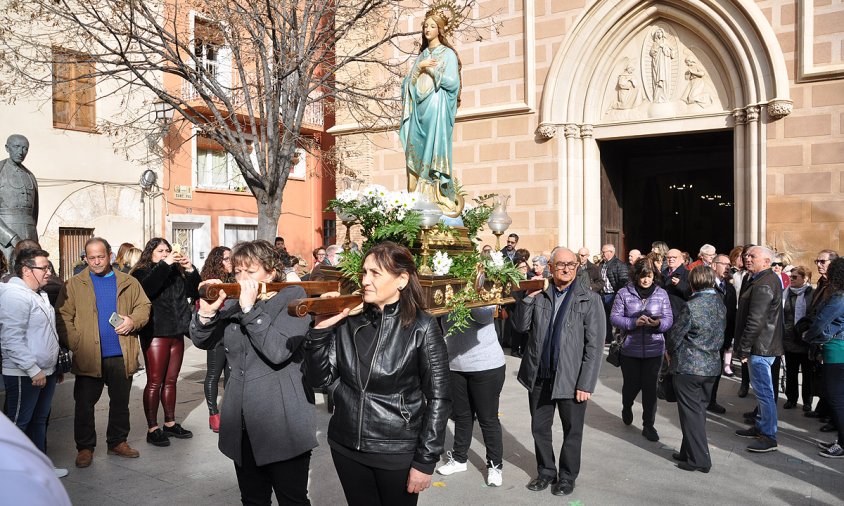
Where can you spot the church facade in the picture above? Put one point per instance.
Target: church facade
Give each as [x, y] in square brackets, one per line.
[630, 121]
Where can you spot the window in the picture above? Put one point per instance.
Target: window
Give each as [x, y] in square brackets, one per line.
[329, 231]
[74, 91]
[300, 170]
[236, 233]
[210, 51]
[71, 245]
[215, 168]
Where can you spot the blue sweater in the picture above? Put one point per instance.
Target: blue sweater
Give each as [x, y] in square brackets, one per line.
[105, 292]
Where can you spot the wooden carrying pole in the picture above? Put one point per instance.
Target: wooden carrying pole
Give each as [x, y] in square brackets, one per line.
[211, 292]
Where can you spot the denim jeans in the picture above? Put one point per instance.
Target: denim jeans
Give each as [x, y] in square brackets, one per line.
[762, 383]
[28, 406]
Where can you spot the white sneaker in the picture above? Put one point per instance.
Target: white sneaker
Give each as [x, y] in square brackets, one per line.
[451, 467]
[60, 473]
[494, 476]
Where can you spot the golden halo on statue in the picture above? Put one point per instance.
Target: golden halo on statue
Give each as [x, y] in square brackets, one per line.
[448, 10]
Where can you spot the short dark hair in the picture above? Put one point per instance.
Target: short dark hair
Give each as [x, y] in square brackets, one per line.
[259, 252]
[99, 240]
[279, 238]
[701, 278]
[25, 257]
[514, 236]
[641, 268]
[317, 250]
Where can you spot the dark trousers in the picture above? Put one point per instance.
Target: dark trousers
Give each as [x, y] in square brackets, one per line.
[476, 394]
[794, 363]
[28, 406]
[834, 376]
[640, 375]
[216, 366]
[87, 391]
[693, 394]
[163, 359]
[713, 399]
[369, 486]
[572, 414]
[608, 299]
[288, 478]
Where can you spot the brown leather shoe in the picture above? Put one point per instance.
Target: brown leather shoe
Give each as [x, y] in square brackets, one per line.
[84, 458]
[124, 450]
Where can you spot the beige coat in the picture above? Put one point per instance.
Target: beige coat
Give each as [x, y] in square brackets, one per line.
[78, 327]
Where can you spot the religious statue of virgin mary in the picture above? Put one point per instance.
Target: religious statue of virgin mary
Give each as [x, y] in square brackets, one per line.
[430, 96]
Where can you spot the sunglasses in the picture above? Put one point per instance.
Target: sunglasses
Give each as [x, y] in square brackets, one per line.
[777, 264]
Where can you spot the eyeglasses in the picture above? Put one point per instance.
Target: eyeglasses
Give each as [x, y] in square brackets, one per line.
[722, 263]
[565, 265]
[821, 261]
[794, 276]
[45, 269]
[777, 264]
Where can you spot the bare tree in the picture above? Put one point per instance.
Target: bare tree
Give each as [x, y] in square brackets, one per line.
[242, 73]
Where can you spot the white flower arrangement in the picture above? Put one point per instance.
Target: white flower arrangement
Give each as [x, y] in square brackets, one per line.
[441, 263]
[497, 258]
[348, 196]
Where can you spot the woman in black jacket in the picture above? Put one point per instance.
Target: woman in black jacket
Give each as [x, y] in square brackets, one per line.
[169, 280]
[267, 424]
[797, 299]
[217, 266]
[387, 371]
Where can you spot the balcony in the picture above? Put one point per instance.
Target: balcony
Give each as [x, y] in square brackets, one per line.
[314, 118]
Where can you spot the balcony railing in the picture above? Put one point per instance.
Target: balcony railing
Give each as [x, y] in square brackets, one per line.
[314, 112]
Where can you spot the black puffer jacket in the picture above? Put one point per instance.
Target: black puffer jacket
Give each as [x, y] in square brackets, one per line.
[168, 289]
[759, 318]
[618, 273]
[404, 406]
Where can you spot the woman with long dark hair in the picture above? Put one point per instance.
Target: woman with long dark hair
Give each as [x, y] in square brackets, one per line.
[267, 422]
[387, 369]
[218, 265]
[827, 330]
[169, 281]
[642, 312]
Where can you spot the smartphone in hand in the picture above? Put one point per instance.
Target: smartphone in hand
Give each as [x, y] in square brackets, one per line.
[115, 320]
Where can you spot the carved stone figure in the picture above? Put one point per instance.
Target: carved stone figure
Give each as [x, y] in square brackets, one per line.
[661, 55]
[430, 96]
[18, 196]
[695, 92]
[628, 92]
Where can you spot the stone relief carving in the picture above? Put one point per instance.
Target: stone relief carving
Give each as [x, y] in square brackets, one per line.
[779, 108]
[629, 93]
[547, 131]
[665, 71]
[752, 113]
[661, 65]
[571, 131]
[695, 92]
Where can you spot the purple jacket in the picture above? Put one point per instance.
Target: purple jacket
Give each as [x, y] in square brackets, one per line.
[641, 342]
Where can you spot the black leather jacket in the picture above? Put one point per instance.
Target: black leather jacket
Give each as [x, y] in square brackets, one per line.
[168, 288]
[759, 318]
[404, 405]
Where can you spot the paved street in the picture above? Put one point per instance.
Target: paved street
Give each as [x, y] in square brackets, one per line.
[619, 465]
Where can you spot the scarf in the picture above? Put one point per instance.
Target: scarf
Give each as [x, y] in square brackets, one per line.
[551, 345]
[644, 293]
[800, 302]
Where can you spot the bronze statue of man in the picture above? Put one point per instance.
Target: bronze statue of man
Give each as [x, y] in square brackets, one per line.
[18, 196]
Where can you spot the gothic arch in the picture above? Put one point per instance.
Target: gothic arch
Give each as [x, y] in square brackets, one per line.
[754, 82]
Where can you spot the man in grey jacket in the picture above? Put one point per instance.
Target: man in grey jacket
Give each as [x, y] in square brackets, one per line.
[566, 325]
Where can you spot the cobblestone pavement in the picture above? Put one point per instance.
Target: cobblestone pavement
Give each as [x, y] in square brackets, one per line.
[619, 465]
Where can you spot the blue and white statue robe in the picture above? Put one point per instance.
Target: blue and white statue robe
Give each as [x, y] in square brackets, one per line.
[429, 101]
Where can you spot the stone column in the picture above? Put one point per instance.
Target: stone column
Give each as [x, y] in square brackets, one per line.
[591, 190]
[574, 190]
[752, 156]
[740, 176]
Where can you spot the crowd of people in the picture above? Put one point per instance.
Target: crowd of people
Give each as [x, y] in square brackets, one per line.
[676, 324]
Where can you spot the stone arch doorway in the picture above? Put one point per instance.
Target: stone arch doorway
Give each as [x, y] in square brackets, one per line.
[673, 188]
[632, 68]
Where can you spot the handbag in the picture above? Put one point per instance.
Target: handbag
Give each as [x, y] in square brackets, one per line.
[614, 353]
[65, 360]
[665, 388]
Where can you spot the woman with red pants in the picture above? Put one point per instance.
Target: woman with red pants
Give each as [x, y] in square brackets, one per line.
[169, 280]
